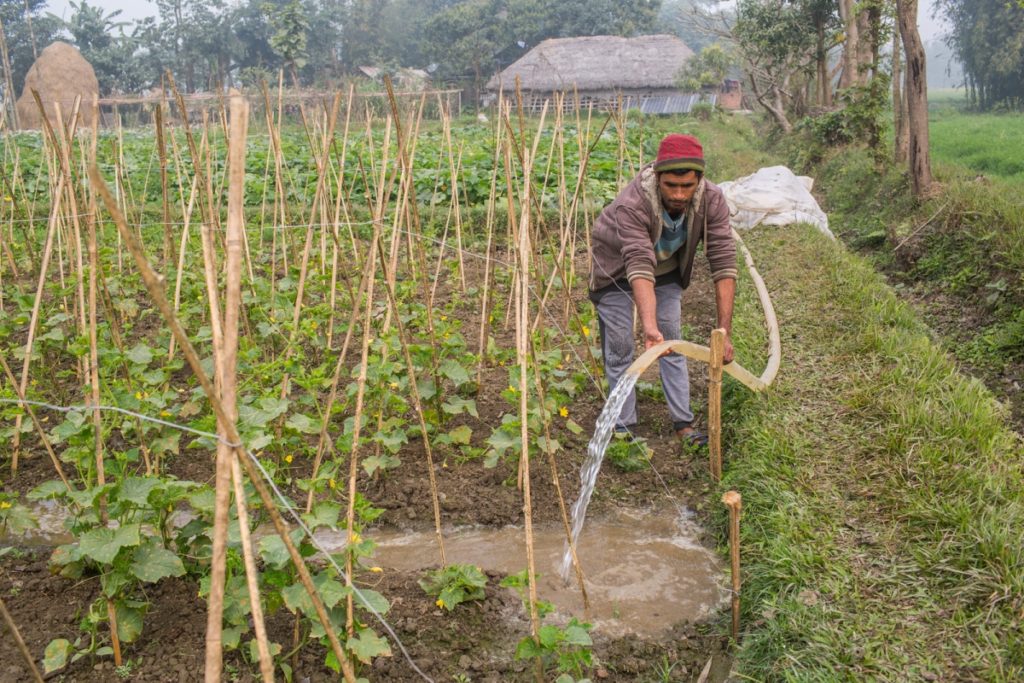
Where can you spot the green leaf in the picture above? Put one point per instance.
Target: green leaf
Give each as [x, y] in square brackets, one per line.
[140, 354]
[17, 519]
[273, 551]
[303, 423]
[324, 513]
[577, 635]
[549, 635]
[56, 654]
[455, 372]
[115, 581]
[461, 434]
[457, 406]
[48, 489]
[331, 590]
[297, 599]
[231, 636]
[367, 598]
[573, 427]
[366, 645]
[137, 489]
[129, 622]
[254, 650]
[528, 649]
[153, 562]
[103, 545]
[56, 334]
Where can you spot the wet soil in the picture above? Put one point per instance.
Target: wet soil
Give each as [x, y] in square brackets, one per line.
[478, 639]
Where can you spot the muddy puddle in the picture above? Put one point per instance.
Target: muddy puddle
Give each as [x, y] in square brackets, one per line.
[644, 570]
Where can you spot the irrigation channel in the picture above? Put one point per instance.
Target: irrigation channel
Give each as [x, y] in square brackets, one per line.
[221, 352]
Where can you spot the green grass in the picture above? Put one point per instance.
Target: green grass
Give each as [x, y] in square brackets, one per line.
[882, 489]
[986, 144]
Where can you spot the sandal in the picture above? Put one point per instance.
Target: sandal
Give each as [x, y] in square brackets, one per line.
[693, 438]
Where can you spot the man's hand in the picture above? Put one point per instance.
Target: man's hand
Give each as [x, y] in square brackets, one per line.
[727, 352]
[652, 338]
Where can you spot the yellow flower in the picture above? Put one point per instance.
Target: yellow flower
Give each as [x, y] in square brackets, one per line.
[356, 538]
[444, 317]
[165, 413]
[394, 385]
[511, 388]
[332, 483]
[563, 411]
[586, 331]
[138, 395]
[288, 458]
[4, 504]
[440, 602]
[376, 570]
[7, 198]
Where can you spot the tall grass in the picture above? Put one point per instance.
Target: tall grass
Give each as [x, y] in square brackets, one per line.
[882, 490]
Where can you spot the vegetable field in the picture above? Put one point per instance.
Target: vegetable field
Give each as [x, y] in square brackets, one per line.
[222, 340]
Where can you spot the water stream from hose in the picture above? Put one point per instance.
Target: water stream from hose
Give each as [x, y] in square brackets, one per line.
[595, 455]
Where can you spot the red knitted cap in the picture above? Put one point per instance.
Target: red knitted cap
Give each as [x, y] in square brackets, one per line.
[679, 152]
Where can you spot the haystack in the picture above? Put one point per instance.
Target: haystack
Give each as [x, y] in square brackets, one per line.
[59, 75]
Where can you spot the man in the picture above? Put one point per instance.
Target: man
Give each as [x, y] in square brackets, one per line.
[643, 246]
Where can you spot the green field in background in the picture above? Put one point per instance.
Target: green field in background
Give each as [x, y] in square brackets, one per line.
[987, 144]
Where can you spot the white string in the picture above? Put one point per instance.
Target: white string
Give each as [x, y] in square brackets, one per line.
[266, 476]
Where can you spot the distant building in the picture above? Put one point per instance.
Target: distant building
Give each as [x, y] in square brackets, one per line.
[605, 71]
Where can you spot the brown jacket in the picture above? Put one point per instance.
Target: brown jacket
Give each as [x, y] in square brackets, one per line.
[625, 233]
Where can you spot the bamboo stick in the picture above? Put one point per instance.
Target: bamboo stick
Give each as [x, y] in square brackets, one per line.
[715, 402]
[522, 352]
[161, 147]
[155, 288]
[734, 502]
[16, 634]
[232, 309]
[418, 409]
[222, 478]
[34, 319]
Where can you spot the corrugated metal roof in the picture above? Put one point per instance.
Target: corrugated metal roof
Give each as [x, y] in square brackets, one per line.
[672, 104]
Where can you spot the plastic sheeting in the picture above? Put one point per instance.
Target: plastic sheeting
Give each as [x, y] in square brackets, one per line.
[773, 196]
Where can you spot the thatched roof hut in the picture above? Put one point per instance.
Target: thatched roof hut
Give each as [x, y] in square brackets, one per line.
[597, 63]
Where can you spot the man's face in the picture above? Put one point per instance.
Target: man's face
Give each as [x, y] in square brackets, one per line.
[677, 190]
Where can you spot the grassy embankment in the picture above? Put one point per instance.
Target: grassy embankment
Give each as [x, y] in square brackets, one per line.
[883, 489]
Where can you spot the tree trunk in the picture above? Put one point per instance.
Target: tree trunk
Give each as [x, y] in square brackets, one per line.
[824, 80]
[917, 97]
[851, 43]
[899, 103]
[773, 104]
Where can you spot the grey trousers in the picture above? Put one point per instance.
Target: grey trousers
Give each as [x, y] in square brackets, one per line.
[615, 316]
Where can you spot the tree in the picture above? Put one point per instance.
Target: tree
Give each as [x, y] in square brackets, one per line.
[706, 70]
[112, 56]
[776, 40]
[698, 23]
[193, 39]
[289, 39]
[917, 98]
[25, 28]
[986, 37]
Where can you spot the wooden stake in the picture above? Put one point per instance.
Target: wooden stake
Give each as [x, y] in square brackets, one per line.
[715, 402]
[734, 502]
[13, 628]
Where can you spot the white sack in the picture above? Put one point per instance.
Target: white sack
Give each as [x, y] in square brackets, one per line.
[773, 196]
